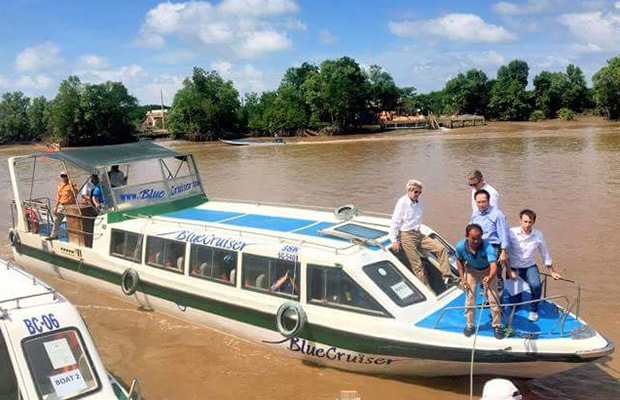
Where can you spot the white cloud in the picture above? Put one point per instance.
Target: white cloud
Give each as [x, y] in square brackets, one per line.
[260, 42]
[295, 24]
[42, 57]
[151, 92]
[586, 48]
[245, 77]
[617, 5]
[3, 82]
[93, 61]
[594, 30]
[92, 68]
[454, 27]
[487, 59]
[531, 7]
[258, 8]
[327, 37]
[249, 28]
[36, 83]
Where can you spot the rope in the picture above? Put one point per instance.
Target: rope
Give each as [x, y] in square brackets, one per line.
[473, 349]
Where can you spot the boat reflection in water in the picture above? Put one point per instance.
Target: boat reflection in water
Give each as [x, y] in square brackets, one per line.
[315, 284]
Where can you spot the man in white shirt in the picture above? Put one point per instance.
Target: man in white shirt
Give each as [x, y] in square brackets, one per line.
[524, 242]
[405, 233]
[116, 176]
[87, 189]
[476, 182]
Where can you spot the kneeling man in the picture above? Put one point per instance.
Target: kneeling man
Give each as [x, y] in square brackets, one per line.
[477, 262]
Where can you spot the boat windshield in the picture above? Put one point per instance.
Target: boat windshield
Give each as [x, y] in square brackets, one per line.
[393, 283]
[152, 181]
[60, 365]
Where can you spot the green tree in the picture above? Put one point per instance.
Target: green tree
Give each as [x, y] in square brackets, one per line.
[14, 126]
[550, 90]
[66, 119]
[206, 105]
[338, 92]
[382, 90]
[108, 111]
[38, 115]
[607, 88]
[468, 93]
[433, 102]
[508, 98]
[576, 95]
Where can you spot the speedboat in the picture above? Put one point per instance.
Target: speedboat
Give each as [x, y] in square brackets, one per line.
[318, 284]
[46, 351]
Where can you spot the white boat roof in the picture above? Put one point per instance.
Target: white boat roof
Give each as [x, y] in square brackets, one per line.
[276, 221]
[19, 284]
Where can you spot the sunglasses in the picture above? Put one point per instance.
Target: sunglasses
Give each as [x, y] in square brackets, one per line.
[473, 184]
[417, 191]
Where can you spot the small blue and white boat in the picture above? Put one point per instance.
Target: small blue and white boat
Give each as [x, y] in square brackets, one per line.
[239, 142]
[312, 283]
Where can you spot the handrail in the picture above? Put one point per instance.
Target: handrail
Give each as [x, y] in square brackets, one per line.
[578, 300]
[278, 204]
[241, 232]
[35, 281]
[482, 306]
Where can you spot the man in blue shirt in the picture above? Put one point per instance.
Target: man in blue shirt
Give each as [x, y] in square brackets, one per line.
[477, 262]
[495, 227]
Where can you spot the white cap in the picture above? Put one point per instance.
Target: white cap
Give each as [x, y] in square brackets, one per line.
[500, 389]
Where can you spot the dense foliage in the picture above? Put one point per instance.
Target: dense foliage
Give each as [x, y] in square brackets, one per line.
[335, 96]
[607, 88]
[206, 106]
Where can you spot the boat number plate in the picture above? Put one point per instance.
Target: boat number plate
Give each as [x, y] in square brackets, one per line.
[289, 253]
[41, 324]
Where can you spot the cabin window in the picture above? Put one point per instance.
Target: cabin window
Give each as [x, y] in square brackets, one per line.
[212, 263]
[127, 245]
[165, 253]
[271, 275]
[330, 286]
[393, 283]
[60, 365]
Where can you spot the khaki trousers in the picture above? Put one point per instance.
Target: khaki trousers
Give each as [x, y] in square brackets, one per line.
[473, 276]
[412, 241]
[58, 218]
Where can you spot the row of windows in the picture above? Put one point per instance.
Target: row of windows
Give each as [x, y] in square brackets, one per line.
[326, 285]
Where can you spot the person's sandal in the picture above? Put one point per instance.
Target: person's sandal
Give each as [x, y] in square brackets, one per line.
[498, 331]
[468, 331]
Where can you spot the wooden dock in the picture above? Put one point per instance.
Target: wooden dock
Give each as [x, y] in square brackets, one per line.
[461, 121]
[392, 125]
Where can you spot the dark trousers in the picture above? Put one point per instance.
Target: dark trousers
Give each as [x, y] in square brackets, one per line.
[532, 276]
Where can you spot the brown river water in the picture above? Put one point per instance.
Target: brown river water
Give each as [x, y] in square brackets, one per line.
[569, 173]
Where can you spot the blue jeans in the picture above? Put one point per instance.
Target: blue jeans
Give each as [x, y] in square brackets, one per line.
[532, 277]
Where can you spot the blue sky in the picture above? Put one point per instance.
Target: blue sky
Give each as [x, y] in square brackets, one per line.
[152, 45]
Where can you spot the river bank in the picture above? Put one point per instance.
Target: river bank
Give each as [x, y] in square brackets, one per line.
[567, 171]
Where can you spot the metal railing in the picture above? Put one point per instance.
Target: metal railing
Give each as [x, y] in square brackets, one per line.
[42, 208]
[48, 290]
[564, 312]
[245, 233]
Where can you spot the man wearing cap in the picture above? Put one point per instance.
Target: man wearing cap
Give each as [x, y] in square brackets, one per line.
[405, 233]
[65, 195]
[476, 182]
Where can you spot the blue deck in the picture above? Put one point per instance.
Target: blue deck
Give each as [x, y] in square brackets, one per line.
[547, 326]
[273, 223]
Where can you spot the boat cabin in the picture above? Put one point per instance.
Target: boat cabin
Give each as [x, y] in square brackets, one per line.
[46, 351]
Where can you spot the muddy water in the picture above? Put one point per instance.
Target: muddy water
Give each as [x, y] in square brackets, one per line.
[568, 173]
